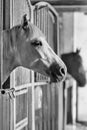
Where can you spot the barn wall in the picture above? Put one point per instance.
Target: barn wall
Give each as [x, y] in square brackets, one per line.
[66, 32]
[66, 44]
[68, 39]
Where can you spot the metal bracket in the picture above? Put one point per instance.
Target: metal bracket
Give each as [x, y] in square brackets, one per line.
[10, 92]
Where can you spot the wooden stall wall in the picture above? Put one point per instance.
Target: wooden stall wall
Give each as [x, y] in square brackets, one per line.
[36, 102]
[46, 95]
[66, 45]
[21, 77]
[33, 91]
[12, 111]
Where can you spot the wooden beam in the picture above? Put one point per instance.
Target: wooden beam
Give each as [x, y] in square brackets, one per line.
[72, 8]
[67, 6]
[63, 2]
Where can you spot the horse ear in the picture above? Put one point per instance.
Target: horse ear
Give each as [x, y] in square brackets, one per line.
[78, 51]
[24, 22]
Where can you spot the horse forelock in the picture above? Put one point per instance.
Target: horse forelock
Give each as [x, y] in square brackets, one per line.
[32, 31]
[35, 32]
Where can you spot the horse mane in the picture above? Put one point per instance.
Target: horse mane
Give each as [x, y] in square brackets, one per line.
[9, 42]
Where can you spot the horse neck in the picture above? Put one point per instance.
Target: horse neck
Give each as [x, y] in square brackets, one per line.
[10, 54]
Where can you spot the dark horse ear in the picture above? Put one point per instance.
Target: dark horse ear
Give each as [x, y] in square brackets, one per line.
[24, 22]
[78, 51]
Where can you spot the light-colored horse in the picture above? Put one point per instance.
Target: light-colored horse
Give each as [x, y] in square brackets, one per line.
[25, 45]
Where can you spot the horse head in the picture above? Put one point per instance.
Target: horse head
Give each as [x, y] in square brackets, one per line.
[75, 67]
[28, 48]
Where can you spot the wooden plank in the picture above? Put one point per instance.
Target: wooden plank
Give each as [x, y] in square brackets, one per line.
[53, 107]
[5, 99]
[21, 107]
[1, 112]
[6, 116]
[44, 108]
[33, 102]
[6, 14]
[60, 106]
[46, 23]
[21, 76]
[40, 125]
[51, 103]
[47, 91]
[30, 108]
[48, 101]
[69, 106]
[1, 27]
[36, 126]
[12, 104]
[8, 112]
[56, 106]
[41, 19]
[66, 83]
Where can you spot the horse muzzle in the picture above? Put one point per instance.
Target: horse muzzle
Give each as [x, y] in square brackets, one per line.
[57, 73]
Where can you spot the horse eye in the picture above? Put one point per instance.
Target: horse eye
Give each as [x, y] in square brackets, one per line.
[36, 43]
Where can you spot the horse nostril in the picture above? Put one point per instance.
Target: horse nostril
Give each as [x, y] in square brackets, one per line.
[62, 71]
[3, 92]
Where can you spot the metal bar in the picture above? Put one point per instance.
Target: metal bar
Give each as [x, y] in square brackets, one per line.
[20, 87]
[22, 124]
[21, 92]
[1, 43]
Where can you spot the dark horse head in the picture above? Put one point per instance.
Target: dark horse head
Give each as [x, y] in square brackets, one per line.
[75, 67]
